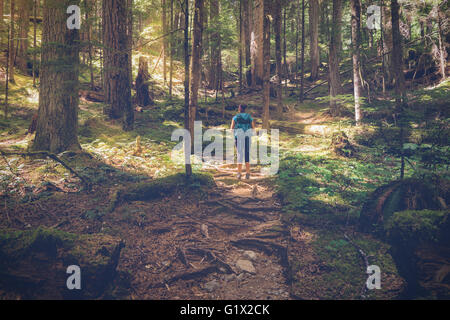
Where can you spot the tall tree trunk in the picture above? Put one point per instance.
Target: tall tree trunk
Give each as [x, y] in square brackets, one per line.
[12, 51]
[397, 71]
[195, 63]
[257, 43]
[35, 5]
[387, 44]
[246, 39]
[277, 30]
[334, 56]
[240, 50]
[1, 10]
[57, 122]
[116, 86]
[314, 15]
[164, 32]
[302, 75]
[285, 68]
[88, 12]
[356, 44]
[187, 121]
[215, 43]
[24, 27]
[266, 62]
[442, 51]
[171, 45]
[130, 39]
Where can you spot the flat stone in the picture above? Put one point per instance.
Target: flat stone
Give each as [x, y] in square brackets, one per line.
[211, 286]
[250, 255]
[246, 266]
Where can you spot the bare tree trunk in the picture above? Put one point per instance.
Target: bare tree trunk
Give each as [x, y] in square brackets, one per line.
[164, 31]
[35, 5]
[88, 9]
[116, 86]
[302, 56]
[215, 43]
[286, 69]
[314, 14]
[257, 43]
[130, 39]
[240, 50]
[7, 76]
[266, 63]
[442, 51]
[12, 51]
[195, 63]
[171, 44]
[356, 43]
[24, 23]
[1, 10]
[277, 30]
[57, 122]
[246, 39]
[187, 121]
[397, 71]
[334, 59]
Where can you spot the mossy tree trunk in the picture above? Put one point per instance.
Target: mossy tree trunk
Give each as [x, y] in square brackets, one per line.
[57, 122]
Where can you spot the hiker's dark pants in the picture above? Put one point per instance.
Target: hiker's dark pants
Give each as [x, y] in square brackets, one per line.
[243, 150]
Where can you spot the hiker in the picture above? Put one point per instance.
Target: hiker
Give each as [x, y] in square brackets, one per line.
[242, 122]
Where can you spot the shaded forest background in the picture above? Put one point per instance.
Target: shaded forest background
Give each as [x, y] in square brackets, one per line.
[87, 117]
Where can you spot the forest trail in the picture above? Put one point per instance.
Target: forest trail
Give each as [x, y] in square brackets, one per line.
[230, 245]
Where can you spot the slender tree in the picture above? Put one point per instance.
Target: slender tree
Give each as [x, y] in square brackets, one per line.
[278, 54]
[356, 43]
[57, 122]
[314, 15]
[266, 63]
[215, 44]
[25, 7]
[187, 151]
[302, 56]
[195, 75]
[334, 59]
[12, 51]
[35, 5]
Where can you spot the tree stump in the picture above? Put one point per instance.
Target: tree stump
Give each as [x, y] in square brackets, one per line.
[143, 97]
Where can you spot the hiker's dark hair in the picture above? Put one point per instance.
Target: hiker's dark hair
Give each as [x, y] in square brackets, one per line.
[243, 107]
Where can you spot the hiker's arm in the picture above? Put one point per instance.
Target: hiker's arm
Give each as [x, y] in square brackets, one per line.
[253, 125]
[232, 124]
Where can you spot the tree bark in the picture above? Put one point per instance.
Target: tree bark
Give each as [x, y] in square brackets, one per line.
[334, 59]
[116, 86]
[246, 39]
[266, 62]
[24, 27]
[278, 54]
[187, 151]
[164, 31]
[1, 10]
[195, 63]
[57, 122]
[215, 43]
[302, 56]
[12, 51]
[143, 98]
[257, 43]
[314, 15]
[356, 44]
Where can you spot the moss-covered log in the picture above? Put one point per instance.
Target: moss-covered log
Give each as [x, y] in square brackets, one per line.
[33, 263]
[407, 194]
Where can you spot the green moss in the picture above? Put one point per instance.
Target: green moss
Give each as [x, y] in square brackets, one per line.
[414, 226]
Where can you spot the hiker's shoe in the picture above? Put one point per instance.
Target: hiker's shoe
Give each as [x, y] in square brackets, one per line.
[247, 176]
[239, 176]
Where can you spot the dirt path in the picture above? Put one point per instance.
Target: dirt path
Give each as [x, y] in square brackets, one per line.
[231, 245]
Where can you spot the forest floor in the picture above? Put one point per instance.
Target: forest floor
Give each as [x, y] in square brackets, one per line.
[292, 236]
